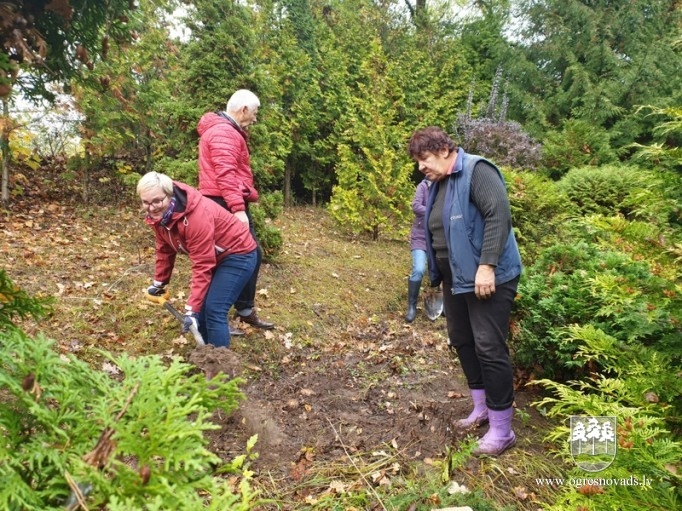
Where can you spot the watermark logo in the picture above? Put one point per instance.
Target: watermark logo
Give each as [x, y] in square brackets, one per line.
[593, 442]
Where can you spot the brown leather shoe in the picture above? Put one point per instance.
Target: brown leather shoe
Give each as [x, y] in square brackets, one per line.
[235, 332]
[255, 321]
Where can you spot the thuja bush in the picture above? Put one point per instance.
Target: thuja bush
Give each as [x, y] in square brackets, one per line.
[640, 387]
[539, 212]
[16, 303]
[268, 208]
[584, 284]
[577, 144]
[609, 189]
[129, 438]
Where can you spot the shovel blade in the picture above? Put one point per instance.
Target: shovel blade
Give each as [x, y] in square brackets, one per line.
[433, 304]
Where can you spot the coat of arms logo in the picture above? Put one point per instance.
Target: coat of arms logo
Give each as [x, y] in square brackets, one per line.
[593, 442]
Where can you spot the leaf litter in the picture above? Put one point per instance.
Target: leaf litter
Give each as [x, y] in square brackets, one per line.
[341, 384]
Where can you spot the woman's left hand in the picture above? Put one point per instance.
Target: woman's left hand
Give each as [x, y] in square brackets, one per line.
[484, 285]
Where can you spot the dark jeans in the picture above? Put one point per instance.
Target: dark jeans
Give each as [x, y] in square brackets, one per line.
[478, 329]
[247, 297]
[228, 280]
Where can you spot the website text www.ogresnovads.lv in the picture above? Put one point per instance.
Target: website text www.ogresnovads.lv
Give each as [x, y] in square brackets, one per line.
[594, 481]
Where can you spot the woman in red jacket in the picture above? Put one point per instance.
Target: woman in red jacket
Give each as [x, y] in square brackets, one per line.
[221, 250]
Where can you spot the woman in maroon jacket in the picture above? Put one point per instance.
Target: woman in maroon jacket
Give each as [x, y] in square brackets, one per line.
[220, 248]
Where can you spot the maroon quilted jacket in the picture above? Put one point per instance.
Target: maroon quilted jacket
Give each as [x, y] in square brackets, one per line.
[224, 166]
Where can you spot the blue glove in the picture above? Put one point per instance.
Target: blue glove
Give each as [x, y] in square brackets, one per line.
[191, 320]
[156, 289]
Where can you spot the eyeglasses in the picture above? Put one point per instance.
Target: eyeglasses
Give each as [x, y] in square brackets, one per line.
[155, 203]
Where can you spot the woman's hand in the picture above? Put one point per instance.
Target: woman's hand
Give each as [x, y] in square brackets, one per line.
[484, 285]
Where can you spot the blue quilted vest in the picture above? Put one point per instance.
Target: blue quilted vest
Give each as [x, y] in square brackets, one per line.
[464, 231]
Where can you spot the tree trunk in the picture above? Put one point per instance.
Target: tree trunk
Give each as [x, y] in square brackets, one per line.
[287, 186]
[4, 146]
[85, 175]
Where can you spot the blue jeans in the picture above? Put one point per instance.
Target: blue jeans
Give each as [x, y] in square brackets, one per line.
[418, 265]
[229, 278]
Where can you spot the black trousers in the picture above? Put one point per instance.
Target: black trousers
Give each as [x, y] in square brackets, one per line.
[478, 329]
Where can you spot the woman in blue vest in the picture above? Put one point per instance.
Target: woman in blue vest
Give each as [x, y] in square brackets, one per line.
[472, 251]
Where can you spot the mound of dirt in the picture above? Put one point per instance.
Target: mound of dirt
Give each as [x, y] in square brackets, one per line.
[370, 393]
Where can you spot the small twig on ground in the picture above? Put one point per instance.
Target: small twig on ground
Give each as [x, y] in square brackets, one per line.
[125, 273]
[376, 495]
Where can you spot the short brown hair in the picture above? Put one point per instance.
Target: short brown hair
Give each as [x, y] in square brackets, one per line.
[429, 140]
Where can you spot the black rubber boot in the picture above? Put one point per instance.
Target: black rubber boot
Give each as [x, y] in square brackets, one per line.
[413, 287]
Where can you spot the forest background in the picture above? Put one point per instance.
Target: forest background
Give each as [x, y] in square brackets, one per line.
[578, 101]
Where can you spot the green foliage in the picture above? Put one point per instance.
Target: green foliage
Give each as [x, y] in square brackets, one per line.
[577, 144]
[56, 41]
[124, 97]
[132, 439]
[539, 212]
[609, 189]
[268, 208]
[640, 388]
[663, 152]
[186, 171]
[579, 283]
[595, 62]
[374, 192]
[16, 302]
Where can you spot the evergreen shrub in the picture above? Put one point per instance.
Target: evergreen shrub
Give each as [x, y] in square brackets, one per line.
[539, 212]
[268, 208]
[185, 171]
[14, 302]
[577, 144]
[640, 387]
[609, 189]
[583, 284]
[128, 438]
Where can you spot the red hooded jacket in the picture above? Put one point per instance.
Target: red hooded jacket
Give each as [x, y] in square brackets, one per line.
[224, 164]
[204, 231]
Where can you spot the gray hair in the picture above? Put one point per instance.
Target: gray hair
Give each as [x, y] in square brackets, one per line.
[155, 180]
[242, 98]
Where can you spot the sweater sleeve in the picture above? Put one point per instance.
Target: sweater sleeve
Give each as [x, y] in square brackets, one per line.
[419, 201]
[165, 260]
[489, 195]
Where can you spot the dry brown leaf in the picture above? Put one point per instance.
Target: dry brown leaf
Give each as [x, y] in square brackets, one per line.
[337, 487]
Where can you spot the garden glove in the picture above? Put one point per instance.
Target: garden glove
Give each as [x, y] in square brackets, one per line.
[157, 290]
[191, 320]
